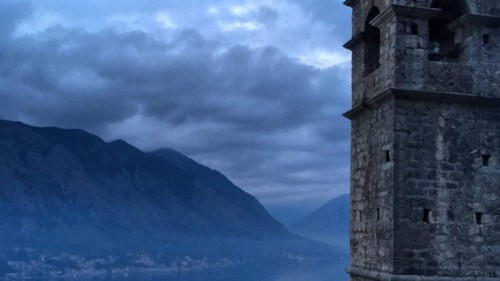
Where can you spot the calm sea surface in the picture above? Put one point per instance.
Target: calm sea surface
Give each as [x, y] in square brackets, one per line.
[290, 272]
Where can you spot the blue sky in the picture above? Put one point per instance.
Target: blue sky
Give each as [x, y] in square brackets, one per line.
[254, 89]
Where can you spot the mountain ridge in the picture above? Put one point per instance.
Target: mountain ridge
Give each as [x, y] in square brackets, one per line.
[328, 224]
[72, 174]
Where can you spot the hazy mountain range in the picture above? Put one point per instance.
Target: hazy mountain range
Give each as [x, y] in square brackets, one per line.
[69, 191]
[328, 224]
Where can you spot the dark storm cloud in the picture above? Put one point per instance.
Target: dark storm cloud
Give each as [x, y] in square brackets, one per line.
[265, 119]
[74, 76]
[55, 77]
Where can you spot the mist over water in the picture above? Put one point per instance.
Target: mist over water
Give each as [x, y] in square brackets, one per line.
[289, 272]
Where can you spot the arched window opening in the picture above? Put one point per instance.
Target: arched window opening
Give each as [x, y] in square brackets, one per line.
[372, 43]
[442, 43]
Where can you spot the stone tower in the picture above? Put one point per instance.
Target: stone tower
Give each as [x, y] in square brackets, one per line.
[425, 172]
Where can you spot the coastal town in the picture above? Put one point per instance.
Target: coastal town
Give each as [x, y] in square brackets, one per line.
[65, 265]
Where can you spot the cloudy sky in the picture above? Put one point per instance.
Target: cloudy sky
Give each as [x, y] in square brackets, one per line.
[252, 88]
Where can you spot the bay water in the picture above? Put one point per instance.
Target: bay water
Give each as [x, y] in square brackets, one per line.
[244, 272]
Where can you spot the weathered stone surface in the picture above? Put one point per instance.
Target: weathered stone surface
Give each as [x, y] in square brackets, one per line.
[425, 165]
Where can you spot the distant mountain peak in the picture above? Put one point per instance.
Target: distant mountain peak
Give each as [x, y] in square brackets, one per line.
[328, 224]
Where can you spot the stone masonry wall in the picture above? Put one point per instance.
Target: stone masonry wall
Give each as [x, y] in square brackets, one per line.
[439, 156]
[371, 189]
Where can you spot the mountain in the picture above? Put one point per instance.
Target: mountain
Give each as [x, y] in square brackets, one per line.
[328, 224]
[69, 191]
[226, 203]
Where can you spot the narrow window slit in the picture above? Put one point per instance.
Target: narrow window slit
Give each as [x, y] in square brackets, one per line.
[486, 160]
[378, 214]
[486, 38]
[426, 216]
[479, 218]
[451, 215]
[387, 156]
[414, 29]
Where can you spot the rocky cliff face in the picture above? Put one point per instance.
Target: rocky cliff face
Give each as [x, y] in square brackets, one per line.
[70, 190]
